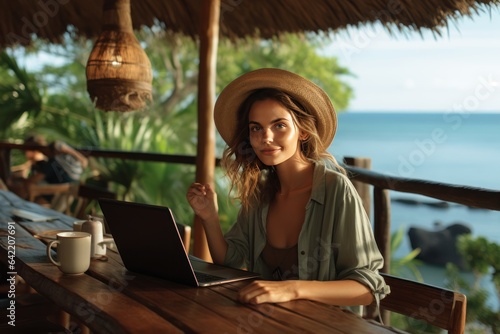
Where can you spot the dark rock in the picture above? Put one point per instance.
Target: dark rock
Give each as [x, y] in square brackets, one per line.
[441, 204]
[434, 204]
[407, 201]
[439, 247]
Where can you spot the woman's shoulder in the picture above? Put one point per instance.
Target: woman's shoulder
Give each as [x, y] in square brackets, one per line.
[335, 179]
[333, 174]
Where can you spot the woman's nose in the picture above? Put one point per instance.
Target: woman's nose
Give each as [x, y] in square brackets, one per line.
[267, 135]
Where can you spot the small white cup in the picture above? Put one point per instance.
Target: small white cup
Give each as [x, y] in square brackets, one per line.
[77, 226]
[73, 252]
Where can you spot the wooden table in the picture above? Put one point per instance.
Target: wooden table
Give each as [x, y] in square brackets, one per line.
[110, 299]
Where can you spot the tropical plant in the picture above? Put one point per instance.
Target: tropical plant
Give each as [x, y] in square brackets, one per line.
[483, 258]
[19, 94]
[406, 266]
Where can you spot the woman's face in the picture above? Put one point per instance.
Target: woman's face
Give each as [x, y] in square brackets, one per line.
[273, 133]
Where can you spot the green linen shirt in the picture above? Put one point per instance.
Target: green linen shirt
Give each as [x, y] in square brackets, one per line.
[336, 241]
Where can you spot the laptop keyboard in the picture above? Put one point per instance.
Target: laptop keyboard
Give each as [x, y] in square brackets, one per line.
[203, 277]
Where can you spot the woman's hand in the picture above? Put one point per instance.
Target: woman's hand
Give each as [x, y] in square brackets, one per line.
[259, 292]
[203, 200]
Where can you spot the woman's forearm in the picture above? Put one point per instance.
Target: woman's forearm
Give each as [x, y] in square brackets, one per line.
[341, 292]
[216, 242]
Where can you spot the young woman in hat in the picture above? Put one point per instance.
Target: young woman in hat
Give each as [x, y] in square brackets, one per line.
[302, 225]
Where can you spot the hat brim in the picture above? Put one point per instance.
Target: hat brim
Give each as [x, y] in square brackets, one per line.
[308, 94]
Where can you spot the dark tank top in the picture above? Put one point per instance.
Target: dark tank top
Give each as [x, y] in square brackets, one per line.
[282, 262]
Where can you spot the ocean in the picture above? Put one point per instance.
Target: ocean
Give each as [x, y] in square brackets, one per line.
[451, 147]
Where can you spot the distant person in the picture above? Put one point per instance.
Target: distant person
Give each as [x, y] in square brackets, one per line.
[23, 171]
[302, 224]
[57, 163]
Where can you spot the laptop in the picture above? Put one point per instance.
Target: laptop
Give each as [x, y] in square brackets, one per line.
[140, 230]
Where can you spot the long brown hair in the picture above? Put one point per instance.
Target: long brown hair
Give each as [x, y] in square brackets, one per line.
[255, 182]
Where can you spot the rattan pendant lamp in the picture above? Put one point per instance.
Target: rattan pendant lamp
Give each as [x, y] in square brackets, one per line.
[119, 75]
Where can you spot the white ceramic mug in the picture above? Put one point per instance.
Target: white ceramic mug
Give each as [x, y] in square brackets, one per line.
[73, 252]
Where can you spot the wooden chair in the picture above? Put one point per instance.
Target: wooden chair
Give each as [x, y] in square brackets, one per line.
[3, 186]
[63, 194]
[432, 305]
[21, 170]
[185, 232]
[87, 194]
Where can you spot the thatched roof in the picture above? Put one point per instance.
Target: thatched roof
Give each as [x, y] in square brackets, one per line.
[22, 20]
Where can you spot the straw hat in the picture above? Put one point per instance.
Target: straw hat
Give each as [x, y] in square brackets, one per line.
[308, 94]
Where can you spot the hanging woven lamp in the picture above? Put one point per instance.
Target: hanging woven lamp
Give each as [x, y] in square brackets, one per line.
[118, 71]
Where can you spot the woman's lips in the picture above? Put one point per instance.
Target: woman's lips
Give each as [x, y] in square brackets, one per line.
[269, 151]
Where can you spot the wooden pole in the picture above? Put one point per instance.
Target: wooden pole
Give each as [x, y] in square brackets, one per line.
[382, 232]
[205, 160]
[362, 188]
[5, 164]
[382, 225]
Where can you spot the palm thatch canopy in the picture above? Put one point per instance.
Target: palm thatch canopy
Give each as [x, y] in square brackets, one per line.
[23, 20]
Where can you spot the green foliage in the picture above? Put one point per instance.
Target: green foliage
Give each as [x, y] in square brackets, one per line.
[408, 264]
[483, 258]
[19, 96]
[139, 181]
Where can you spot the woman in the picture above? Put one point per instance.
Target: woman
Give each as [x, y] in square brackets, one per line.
[302, 225]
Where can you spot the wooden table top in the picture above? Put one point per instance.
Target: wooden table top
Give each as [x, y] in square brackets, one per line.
[110, 299]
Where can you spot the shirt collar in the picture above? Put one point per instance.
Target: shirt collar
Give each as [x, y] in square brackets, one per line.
[319, 183]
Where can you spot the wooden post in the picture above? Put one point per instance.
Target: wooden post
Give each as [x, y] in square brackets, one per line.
[5, 164]
[382, 224]
[362, 188]
[205, 159]
[382, 232]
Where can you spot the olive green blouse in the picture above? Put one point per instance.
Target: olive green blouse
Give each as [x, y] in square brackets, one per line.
[336, 241]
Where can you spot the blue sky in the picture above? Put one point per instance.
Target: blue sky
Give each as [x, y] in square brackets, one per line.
[459, 70]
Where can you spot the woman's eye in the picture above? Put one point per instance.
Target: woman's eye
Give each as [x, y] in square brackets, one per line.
[254, 128]
[280, 125]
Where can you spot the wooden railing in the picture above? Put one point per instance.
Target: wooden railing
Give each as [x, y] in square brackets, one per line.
[361, 177]
[382, 184]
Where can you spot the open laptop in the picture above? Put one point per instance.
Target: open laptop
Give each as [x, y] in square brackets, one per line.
[149, 243]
